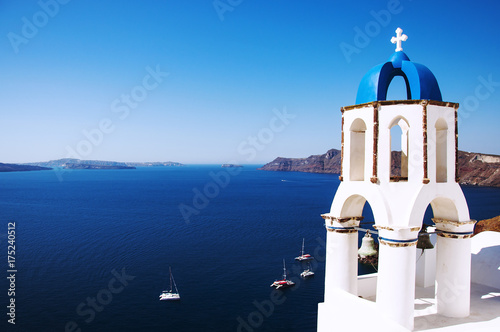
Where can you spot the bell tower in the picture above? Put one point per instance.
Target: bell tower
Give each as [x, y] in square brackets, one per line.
[399, 186]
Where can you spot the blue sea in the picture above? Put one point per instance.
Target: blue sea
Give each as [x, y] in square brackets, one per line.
[93, 247]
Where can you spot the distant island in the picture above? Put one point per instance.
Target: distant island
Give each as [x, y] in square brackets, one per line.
[475, 169]
[90, 166]
[123, 165]
[71, 163]
[230, 165]
[21, 168]
[155, 164]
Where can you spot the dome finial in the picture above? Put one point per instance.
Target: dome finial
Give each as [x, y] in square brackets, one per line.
[398, 39]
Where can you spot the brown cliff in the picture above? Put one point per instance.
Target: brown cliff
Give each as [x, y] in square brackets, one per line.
[479, 169]
[492, 224]
[473, 168]
[324, 163]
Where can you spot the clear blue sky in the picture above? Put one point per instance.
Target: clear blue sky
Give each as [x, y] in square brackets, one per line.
[69, 69]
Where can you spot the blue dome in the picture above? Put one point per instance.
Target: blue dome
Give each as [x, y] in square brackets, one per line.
[420, 82]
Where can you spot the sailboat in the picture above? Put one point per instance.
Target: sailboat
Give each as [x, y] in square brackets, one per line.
[308, 272]
[303, 257]
[284, 283]
[170, 294]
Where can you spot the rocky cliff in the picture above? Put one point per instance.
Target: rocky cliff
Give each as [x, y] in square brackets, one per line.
[479, 169]
[492, 224]
[473, 168]
[324, 163]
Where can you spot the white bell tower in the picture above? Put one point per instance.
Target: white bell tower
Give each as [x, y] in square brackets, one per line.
[428, 176]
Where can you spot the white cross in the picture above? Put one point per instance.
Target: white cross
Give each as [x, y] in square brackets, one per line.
[398, 39]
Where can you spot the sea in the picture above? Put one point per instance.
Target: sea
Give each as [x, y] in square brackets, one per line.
[93, 247]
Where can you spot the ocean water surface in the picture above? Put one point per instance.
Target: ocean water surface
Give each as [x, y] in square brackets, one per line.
[93, 250]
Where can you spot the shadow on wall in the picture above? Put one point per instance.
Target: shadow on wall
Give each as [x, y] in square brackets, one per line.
[485, 260]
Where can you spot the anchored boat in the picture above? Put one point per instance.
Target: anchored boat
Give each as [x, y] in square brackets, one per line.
[303, 257]
[170, 294]
[283, 283]
[307, 273]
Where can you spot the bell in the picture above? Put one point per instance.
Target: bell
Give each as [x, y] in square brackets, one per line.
[424, 241]
[367, 246]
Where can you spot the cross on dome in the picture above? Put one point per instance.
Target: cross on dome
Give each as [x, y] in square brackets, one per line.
[398, 39]
[420, 81]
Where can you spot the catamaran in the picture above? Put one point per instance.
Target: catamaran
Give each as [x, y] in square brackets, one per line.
[308, 272]
[170, 294]
[284, 283]
[303, 257]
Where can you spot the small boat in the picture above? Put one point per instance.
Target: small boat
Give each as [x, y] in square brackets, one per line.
[303, 257]
[307, 273]
[170, 294]
[283, 283]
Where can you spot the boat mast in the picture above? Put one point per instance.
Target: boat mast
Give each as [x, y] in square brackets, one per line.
[302, 254]
[176, 290]
[284, 270]
[170, 272]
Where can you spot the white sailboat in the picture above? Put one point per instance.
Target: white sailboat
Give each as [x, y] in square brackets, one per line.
[308, 272]
[303, 257]
[170, 294]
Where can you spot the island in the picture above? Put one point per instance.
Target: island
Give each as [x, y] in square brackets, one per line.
[475, 169]
[73, 163]
[21, 168]
[155, 164]
[91, 166]
[100, 164]
[230, 165]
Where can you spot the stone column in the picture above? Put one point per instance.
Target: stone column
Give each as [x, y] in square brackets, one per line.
[341, 269]
[453, 264]
[396, 273]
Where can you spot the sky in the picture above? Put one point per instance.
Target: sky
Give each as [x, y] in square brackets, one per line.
[241, 81]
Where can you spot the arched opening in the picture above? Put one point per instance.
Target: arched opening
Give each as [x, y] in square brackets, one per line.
[399, 129]
[357, 151]
[367, 223]
[398, 89]
[355, 206]
[440, 208]
[441, 150]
